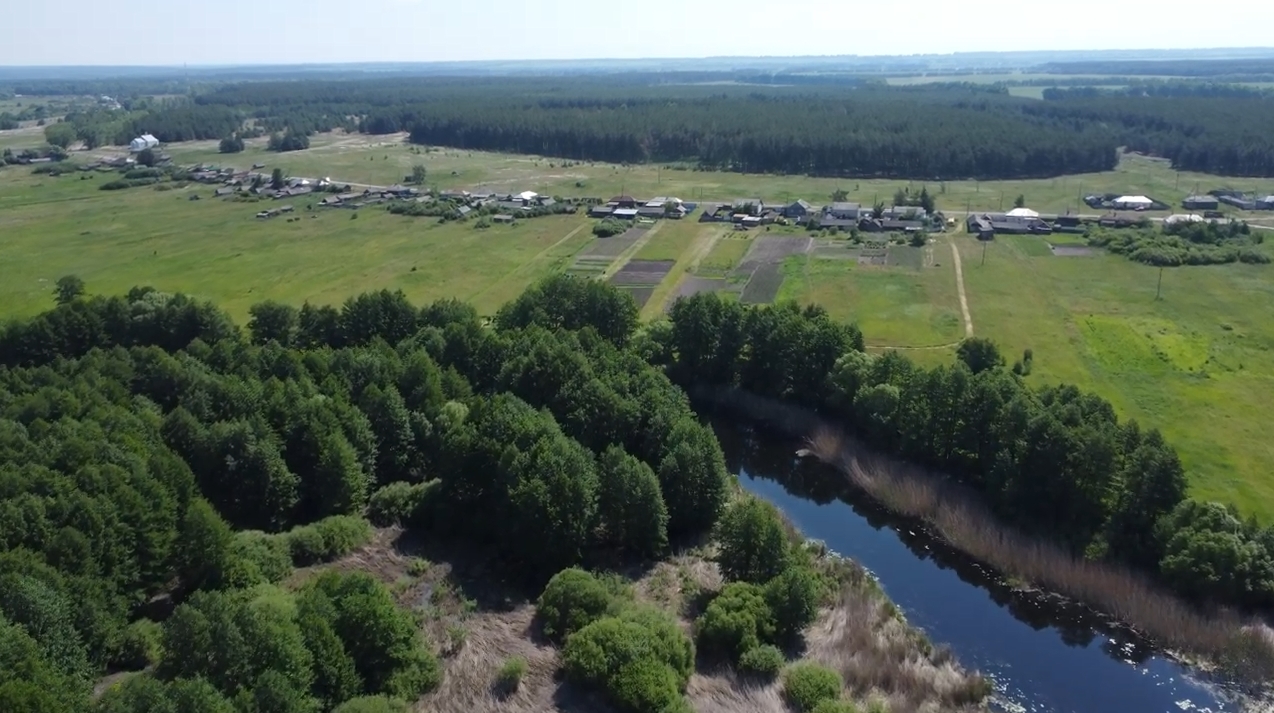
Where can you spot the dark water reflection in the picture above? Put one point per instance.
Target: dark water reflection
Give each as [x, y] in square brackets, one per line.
[1043, 655]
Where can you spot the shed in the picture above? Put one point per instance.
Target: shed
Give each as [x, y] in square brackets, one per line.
[623, 202]
[980, 226]
[502, 218]
[143, 142]
[1200, 203]
[843, 210]
[625, 213]
[600, 211]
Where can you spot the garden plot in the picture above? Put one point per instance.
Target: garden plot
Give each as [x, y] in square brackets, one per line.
[772, 250]
[593, 260]
[639, 273]
[640, 294]
[764, 285]
[762, 267]
[692, 286]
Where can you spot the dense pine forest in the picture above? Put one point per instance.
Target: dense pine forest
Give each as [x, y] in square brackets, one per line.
[844, 128]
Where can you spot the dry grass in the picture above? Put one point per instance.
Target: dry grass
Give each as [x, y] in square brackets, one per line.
[957, 515]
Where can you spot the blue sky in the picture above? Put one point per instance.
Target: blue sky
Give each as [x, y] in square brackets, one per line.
[291, 31]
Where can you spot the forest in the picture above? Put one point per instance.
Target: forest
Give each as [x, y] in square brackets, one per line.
[162, 471]
[852, 129]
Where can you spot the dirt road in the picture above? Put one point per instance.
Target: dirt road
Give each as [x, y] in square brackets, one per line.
[964, 300]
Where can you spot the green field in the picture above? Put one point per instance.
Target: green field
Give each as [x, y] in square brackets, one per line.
[1196, 364]
[219, 250]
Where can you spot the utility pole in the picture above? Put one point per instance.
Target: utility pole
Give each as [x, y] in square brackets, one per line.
[1159, 289]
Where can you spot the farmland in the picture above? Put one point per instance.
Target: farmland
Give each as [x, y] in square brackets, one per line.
[1194, 364]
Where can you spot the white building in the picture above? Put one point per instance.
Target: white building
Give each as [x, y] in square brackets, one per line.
[1132, 203]
[143, 142]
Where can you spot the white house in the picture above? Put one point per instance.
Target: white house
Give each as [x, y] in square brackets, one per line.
[143, 142]
[1132, 203]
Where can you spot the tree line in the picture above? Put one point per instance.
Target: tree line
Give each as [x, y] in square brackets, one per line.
[152, 450]
[1053, 461]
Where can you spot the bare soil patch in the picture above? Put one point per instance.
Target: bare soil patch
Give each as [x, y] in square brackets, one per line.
[642, 272]
[694, 285]
[764, 285]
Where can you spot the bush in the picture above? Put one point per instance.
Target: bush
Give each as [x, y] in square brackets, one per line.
[572, 600]
[793, 598]
[257, 558]
[764, 662]
[805, 685]
[835, 706]
[139, 645]
[327, 539]
[609, 227]
[396, 503]
[631, 662]
[231, 144]
[372, 704]
[510, 675]
[737, 621]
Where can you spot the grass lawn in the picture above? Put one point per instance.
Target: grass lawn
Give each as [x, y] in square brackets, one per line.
[894, 306]
[219, 250]
[725, 255]
[1196, 364]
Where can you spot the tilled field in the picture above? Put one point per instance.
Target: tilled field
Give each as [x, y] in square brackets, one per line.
[762, 267]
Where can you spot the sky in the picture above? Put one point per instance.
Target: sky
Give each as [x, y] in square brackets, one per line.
[208, 32]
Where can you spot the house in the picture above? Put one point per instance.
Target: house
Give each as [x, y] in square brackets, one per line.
[600, 211]
[713, 213]
[749, 206]
[1200, 203]
[626, 202]
[221, 192]
[751, 221]
[143, 142]
[502, 218]
[546, 202]
[1132, 203]
[651, 211]
[510, 205]
[1018, 224]
[979, 225]
[842, 211]
[464, 210]
[904, 212]
[799, 211]
[1266, 203]
[625, 213]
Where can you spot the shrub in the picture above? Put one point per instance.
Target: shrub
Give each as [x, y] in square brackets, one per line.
[835, 706]
[737, 621]
[139, 645]
[510, 674]
[572, 600]
[609, 227]
[257, 558]
[396, 503]
[328, 539]
[805, 685]
[632, 664]
[372, 704]
[753, 542]
[793, 598]
[764, 662]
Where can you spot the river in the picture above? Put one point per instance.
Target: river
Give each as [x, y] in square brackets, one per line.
[1042, 657]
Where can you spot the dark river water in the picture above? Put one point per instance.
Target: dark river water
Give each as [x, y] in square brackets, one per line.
[1042, 657]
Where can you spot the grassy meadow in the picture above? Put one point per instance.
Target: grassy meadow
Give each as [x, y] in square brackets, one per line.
[1197, 364]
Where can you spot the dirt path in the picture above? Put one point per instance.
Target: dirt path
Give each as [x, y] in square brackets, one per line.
[687, 263]
[964, 301]
[632, 250]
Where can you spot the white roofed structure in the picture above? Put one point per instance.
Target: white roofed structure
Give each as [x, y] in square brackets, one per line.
[1132, 202]
[528, 196]
[1022, 213]
[1183, 218]
[143, 142]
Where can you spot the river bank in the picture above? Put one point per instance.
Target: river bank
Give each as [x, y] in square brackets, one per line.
[1039, 570]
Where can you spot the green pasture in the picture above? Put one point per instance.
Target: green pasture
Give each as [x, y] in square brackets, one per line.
[1196, 364]
[218, 250]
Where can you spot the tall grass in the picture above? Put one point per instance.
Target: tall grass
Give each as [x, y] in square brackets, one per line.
[959, 516]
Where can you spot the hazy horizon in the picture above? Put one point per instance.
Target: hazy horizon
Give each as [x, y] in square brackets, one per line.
[240, 32]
